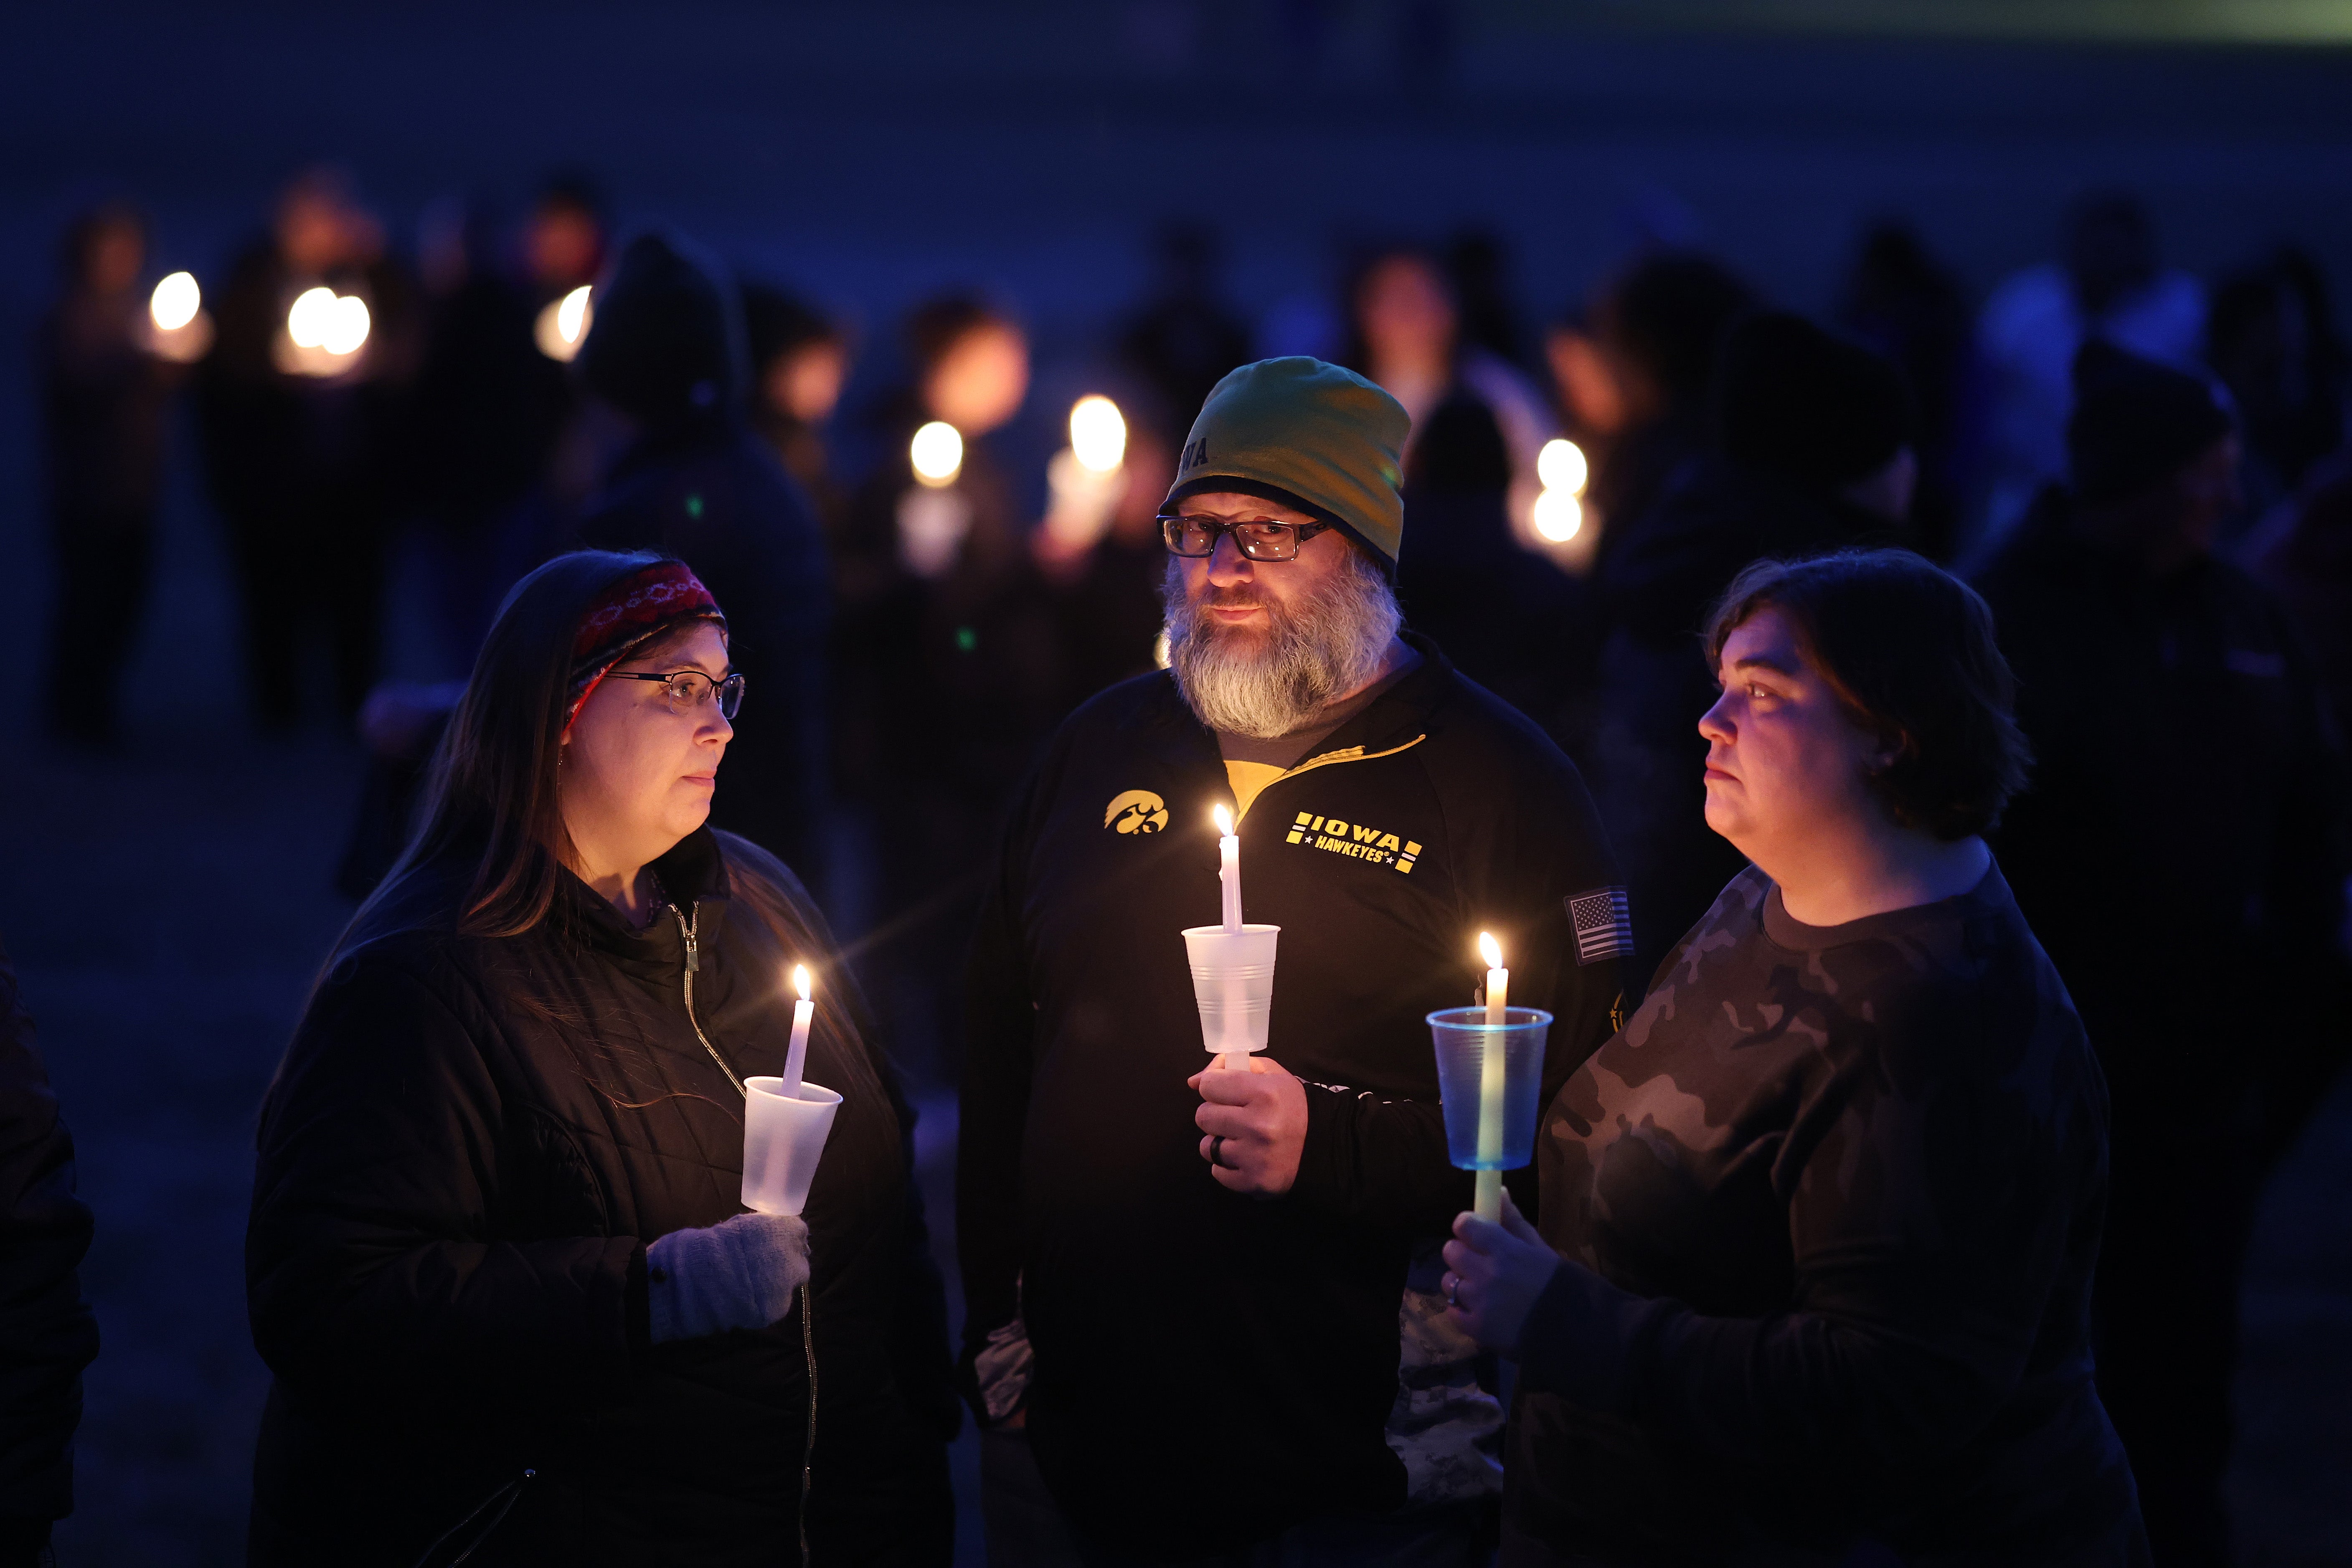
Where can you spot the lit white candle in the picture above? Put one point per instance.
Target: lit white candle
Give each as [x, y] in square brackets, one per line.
[1229, 874]
[1488, 1200]
[796, 1054]
[1229, 866]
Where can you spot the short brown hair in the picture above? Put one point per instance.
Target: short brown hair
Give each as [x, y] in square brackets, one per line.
[1909, 648]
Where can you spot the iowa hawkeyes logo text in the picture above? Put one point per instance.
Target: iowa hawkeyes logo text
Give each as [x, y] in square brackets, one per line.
[1135, 810]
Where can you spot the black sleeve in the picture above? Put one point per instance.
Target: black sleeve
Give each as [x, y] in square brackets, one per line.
[46, 1332]
[1000, 1032]
[369, 1259]
[1523, 849]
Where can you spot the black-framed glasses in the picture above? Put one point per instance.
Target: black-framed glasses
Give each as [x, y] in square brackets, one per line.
[1259, 539]
[688, 690]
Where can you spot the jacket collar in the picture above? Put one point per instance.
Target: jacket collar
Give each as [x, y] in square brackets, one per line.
[693, 878]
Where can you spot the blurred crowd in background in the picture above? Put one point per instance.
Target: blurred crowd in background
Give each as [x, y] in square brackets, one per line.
[1583, 473]
[924, 569]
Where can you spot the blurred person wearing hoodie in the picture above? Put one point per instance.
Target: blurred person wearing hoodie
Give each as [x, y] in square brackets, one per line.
[666, 351]
[302, 447]
[1478, 579]
[2110, 285]
[2181, 851]
[799, 359]
[104, 393]
[1634, 374]
[949, 673]
[1811, 452]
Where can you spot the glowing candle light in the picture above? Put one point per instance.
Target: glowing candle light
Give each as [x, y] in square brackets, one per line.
[936, 454]
[796, 1054]
[1559, 513]
[308, 318]
[1488, 1199]
[175, 302]
[562, 325]
[1561, 466]
[347, 326]
[1097, 434]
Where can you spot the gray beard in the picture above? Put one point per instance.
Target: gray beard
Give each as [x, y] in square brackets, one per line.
[1321, 648]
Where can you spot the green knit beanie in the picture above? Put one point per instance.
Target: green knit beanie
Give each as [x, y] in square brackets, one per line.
[1307, 435]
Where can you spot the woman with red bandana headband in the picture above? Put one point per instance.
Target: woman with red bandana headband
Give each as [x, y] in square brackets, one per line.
[496, 1259]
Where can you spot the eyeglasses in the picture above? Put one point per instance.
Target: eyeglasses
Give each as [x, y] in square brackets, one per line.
[1260, 540]
[688, 690]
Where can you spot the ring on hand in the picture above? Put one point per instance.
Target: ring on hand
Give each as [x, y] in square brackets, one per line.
[1453, 1284]
[1216, 1147]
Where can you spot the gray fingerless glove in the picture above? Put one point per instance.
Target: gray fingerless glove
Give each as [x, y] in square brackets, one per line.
[737, 1274]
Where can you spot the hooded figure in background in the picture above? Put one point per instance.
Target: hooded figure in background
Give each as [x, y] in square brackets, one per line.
[2180, 851]
[1811, 453]
[667, 350]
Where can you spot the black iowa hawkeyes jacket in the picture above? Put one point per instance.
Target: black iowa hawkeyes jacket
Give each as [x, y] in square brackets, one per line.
[1212, 1368]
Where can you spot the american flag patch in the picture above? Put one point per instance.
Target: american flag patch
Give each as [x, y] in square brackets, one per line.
[1603, 920]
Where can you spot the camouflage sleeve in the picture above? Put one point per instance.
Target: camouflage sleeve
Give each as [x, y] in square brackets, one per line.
[1927, 1212]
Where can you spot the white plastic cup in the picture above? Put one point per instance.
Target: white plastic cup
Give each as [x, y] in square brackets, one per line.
[1233, 981]
[782, 1140]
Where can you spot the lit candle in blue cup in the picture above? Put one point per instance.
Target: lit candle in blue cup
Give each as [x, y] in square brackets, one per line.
[1490, 1130]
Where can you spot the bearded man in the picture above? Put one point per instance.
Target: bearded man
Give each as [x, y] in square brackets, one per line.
[1203, 1325]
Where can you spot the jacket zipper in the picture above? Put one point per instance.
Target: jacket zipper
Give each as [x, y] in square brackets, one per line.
[687, 925]
[1332, 759]
[503, 1499]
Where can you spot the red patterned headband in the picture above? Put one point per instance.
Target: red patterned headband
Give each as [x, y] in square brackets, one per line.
[632, 613]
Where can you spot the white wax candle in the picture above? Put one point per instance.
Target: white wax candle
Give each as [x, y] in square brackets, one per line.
[796, 1054]
[1488, 1201]
[1229, 867]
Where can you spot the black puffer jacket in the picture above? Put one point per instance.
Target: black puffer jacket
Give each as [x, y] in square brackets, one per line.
[469, 1146]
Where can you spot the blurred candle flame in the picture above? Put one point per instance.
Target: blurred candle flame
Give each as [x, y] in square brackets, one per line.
[347, 325]
[1561, 466]
[306, 321]
[1223, 819]
[937, 453]
[1097, 434]
[1559, 516]
[564, 323]
[1490, 951]
[1559, 513]
[801, 980]
[175, 302]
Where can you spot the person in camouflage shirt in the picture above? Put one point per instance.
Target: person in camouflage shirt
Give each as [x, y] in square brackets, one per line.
[1818, 1223]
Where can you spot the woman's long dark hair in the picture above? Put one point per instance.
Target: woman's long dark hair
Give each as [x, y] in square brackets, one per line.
[492, 799]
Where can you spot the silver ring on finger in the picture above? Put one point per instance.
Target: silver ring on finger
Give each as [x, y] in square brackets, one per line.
[1453, 1285]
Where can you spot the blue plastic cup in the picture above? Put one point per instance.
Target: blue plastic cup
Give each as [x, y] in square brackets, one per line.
[1491, 1077]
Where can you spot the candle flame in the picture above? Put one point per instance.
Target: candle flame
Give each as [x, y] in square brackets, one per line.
[1489, 951]
[801, 980]
[1225, 820]
[175, 302]
[1097, 434]
[936, 454]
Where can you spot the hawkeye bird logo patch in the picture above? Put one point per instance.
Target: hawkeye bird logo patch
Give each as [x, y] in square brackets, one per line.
[1603, 920]
[1135, 810]
[1354, 840]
